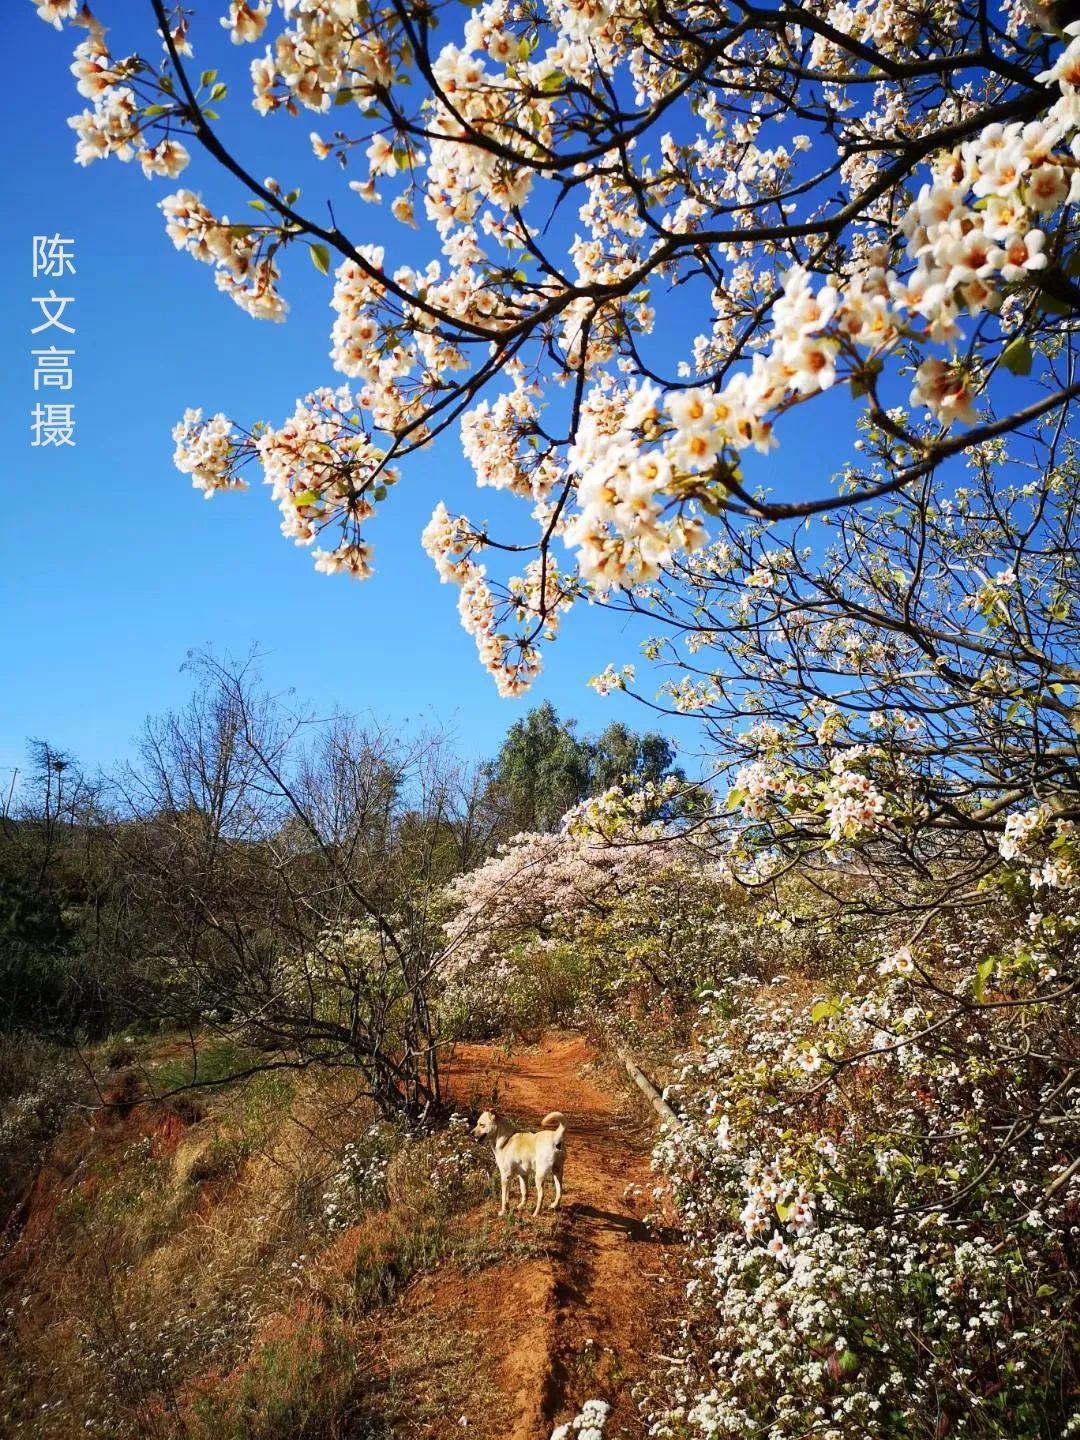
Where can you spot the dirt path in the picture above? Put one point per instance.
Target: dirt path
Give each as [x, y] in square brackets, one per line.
[581, 1313]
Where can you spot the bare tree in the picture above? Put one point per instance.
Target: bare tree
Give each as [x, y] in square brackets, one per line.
[290, 871]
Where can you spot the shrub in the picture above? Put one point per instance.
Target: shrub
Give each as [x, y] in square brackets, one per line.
[39, 1087]
[875, 1187]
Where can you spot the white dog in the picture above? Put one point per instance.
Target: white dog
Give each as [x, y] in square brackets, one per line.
[520, 1154]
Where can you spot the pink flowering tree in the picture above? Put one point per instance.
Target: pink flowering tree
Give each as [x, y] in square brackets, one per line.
[599, 929]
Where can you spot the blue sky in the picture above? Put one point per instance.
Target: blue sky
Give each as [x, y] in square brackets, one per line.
[112, 566]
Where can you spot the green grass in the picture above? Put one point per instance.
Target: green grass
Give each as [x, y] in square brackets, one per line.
[294, 1385]
[211, 1063]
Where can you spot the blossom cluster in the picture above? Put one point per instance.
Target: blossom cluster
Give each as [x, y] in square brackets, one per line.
[205, 450]
[854, 807]
[587, 1424]
[115, 124]
[1043, 848]
[359, 1181]
[535, 599]
[243, 269]
[322, 468]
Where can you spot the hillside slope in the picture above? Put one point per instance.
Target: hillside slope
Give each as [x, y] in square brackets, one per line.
[176, 1275]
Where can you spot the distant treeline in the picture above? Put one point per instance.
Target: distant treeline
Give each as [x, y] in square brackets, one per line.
[241, 832]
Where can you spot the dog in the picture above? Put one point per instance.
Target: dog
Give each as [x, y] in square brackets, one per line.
[520, 1154]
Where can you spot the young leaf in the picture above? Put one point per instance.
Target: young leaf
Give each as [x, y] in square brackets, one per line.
[1017, 355]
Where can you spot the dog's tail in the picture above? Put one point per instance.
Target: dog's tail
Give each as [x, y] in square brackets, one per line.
[555, 1118]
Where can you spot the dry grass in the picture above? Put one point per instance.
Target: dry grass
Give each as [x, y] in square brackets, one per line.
[175, 1274]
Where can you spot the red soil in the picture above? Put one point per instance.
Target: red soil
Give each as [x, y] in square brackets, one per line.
[580, 1322]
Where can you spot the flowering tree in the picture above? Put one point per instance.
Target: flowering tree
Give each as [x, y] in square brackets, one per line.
[875, 199]
[905, 687]
[626, 930]
[550, 884]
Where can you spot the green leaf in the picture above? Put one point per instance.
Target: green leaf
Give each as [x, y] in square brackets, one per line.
[848, 1362]
[320, 258]
[714, 504]
[207, 77]
[1017, 355]
[343, 97]
[257, 204]
[152, 110]
[209, 114]
[863, 380]
[982, 973]
[219, 92]
[306, 497]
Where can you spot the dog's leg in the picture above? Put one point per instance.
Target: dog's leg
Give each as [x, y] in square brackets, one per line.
[505, 1182]
[539, 1192]
[558, 1190]
[521, 1186]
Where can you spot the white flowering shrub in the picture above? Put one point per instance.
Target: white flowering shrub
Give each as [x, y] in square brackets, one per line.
[40, 1088]
[442, 1170]
[877, 1187]
[587, 1424]
[457, 1170]
[358, 1182]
